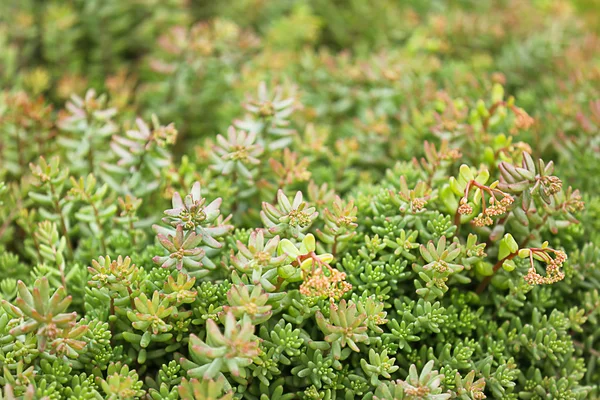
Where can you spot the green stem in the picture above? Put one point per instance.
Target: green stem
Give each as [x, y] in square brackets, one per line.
[97, 217]
[131, 302]
[63, 225]
[132, 229]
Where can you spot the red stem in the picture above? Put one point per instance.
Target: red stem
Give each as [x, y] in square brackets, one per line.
[484, 283]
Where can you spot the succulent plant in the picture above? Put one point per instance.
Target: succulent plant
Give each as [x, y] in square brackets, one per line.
[275, 200]
[289, 219]
[183, 250]
[231, 351]
[194, 215]
[41, 312]
[237, 153]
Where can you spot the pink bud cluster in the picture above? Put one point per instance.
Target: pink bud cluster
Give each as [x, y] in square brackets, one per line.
[495, 207]
[553, 267]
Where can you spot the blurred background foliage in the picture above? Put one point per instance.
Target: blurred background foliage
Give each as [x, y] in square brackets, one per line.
[192, 61]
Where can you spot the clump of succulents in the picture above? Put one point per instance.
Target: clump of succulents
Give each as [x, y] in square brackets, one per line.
[213, 201]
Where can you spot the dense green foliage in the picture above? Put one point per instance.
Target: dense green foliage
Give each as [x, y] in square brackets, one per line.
[303, 199]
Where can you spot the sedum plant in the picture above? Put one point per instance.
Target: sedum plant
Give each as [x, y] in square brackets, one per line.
[291, 218]
[274, 200]
[231, 351]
